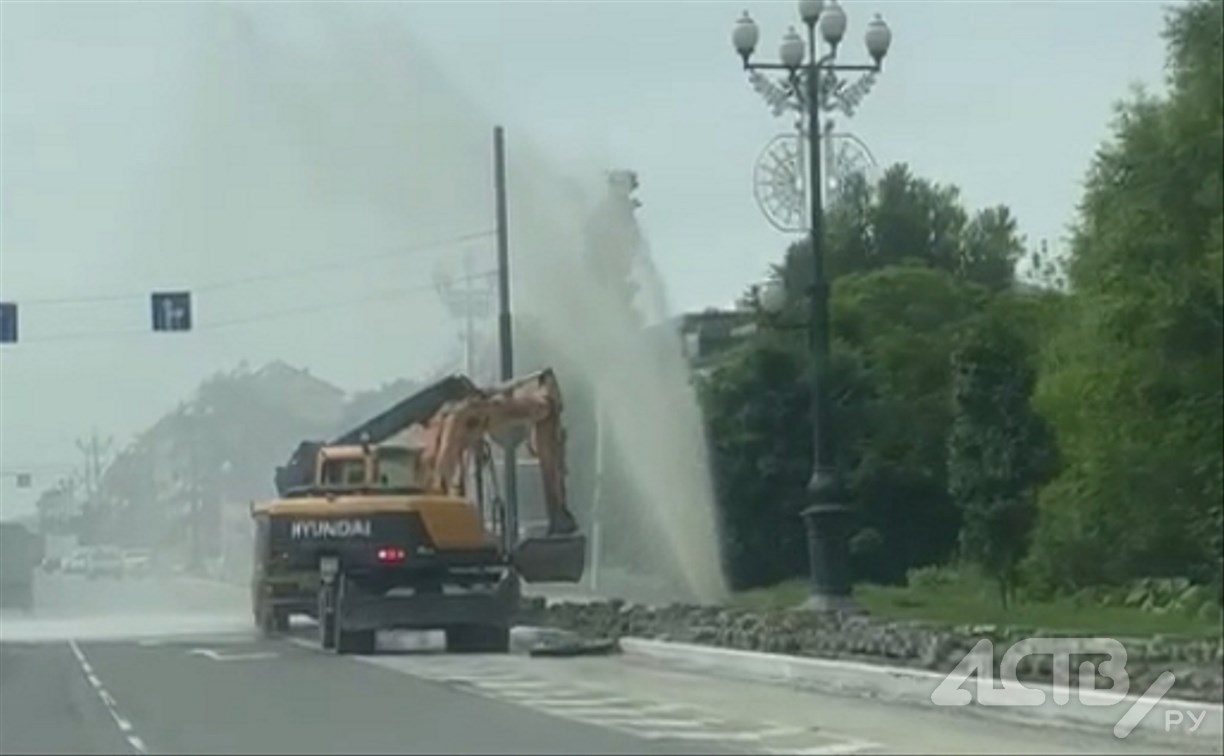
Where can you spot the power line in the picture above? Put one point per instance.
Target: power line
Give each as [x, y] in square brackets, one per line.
[10, 469]
[381, 296]
[221, 285]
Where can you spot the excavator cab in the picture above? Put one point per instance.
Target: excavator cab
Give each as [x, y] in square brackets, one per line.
[344, 466]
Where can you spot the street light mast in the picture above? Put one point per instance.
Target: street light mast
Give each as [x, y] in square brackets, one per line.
[810, 79]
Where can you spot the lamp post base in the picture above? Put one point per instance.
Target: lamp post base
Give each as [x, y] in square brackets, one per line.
[828, 532]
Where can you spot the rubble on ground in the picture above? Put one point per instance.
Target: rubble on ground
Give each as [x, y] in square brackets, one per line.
[1198, 663]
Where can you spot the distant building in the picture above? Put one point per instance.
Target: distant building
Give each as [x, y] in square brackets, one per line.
[704, 335]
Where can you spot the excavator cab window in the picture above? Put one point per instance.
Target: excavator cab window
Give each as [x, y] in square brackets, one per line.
[355, 473]
[397, 468]
[344, 472]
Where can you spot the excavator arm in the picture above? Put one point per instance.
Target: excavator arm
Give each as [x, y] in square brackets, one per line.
[460, 426]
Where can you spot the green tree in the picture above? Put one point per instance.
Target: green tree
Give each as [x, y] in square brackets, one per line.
[897, 326]
[763, 455]
[1132, 380]
[991, 247]
[999, 450]
[908, 265]
[906, 220]
[893, 334]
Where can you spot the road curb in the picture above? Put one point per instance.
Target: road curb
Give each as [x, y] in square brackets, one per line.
[914, 687]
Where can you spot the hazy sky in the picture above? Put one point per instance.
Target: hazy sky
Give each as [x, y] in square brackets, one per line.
[286, 168]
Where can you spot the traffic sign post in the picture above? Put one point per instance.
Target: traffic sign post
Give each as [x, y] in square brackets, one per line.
[171, 311]
[8, 323]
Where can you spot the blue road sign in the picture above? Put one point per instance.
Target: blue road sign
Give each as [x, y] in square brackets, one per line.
[8, 323]
[172, 311]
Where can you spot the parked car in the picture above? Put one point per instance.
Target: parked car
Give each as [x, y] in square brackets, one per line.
[137, 562]
[77, 563]
[105, 561]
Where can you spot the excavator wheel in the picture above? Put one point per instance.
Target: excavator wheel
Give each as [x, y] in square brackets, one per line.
[478, 639]
[349, 641]
[270, 620]
[361, 642]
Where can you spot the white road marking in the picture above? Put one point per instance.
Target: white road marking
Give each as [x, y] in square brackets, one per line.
[546, 702]
[208, 653]
[511, 679]
[648, 724]
[112, 707]
[833, 749]
[718, 735]
[507, 685]
[303, 643]
[504, 678]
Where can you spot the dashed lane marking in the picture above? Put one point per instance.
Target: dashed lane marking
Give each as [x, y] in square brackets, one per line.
[112, 707]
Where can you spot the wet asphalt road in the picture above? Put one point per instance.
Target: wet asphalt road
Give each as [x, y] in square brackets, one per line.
[280, 699]
[174, 666]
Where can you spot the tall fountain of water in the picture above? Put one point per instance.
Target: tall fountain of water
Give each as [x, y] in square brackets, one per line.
[577, 257]
[300, 131]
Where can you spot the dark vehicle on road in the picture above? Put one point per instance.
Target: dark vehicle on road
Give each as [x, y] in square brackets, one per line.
[21, 551]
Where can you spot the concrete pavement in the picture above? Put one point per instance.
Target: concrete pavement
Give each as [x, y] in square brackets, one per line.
[174, 667]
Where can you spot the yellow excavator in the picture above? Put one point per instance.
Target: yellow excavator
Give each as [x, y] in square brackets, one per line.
[399, 523]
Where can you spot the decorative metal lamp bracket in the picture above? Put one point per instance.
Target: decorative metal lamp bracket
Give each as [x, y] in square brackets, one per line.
[789, 94]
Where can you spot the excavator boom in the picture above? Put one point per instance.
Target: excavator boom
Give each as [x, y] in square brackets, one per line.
[460, 426]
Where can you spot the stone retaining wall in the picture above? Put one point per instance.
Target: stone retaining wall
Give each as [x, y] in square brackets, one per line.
[1198, 663]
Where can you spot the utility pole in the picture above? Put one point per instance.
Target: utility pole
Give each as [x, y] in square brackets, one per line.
[469, 324]
[95, 451]
[505, 330]
[195, 510]
[597, 496]
[469, 303]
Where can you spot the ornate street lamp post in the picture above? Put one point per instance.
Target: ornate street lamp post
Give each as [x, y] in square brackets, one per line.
[812, 82]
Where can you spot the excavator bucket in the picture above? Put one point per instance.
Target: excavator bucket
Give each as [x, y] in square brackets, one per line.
[551, 558]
